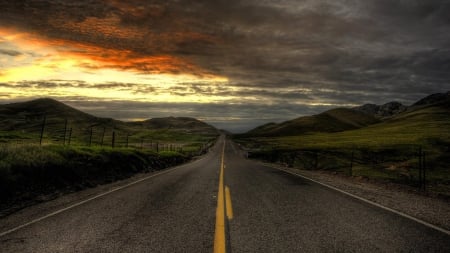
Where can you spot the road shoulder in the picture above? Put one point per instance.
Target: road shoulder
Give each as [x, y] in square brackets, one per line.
[430, 209]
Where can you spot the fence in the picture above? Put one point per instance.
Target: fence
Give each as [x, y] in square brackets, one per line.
[45, 130]
[408, 164]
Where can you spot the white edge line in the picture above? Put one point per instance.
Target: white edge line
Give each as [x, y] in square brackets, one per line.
[443, 230]
[93, 198]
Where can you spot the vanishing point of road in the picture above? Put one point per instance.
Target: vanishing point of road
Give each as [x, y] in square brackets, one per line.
[221, 202]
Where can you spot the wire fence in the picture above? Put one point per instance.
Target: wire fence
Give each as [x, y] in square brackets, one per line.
[407, 164]
[44, 130]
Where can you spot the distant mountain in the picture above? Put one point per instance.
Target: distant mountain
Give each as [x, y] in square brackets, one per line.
[382, 111]
[179, 123]
[335, 120]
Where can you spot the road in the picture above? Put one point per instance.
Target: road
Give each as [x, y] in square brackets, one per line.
[261, 209]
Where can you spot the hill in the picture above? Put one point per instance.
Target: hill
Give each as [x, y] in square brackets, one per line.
[335, 120]
[186, 124]
[25, 121]
[426, 125]
[345, 119]
[30, 114]
[434, 99]
[428, 119]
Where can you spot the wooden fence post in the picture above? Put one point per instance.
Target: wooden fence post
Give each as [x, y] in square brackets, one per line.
[90, 136]
[70, 136]
[65, 132]
[424, 179]
[316, 162]
[42, 129]
[351, 163]
[420, 167]
[103, 136]
[113, 139]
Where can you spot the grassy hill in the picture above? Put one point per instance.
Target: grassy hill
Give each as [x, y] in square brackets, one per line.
[24, 121]
[335, 120]
[185, 124]
[422, 123]
[423, 126]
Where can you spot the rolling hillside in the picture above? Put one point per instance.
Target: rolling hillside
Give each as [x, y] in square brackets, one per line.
[428, 111]
[335, 120]
[426, 125]
[29, 116]
[186, 124]
[25, 121]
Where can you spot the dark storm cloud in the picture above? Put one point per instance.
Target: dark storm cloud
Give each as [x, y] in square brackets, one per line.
[263, 42]
[341, 51]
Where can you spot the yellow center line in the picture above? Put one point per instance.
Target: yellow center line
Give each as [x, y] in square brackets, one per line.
[219, 236]
[223, 203]
[228, 203]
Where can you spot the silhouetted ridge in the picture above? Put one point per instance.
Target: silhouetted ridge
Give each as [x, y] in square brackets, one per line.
[438, 98]
[335, 120]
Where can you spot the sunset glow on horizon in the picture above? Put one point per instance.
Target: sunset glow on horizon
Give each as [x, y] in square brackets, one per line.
[43, 60]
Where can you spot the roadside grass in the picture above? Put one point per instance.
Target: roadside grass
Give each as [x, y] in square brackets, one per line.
[16, 137]
[185, 141]
[164, 138]
[28, 171]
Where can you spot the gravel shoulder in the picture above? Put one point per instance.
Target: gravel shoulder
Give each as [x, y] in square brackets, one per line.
[431, 209]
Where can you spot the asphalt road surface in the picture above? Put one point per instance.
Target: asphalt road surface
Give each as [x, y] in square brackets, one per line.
[260, 209]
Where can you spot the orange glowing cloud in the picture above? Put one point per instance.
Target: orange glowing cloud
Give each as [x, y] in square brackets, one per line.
[29, 58]
[93, 57]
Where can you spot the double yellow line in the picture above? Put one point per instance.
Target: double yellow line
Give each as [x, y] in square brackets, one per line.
[223, 205]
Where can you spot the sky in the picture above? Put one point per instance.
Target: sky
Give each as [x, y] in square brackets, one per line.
[234, 64]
